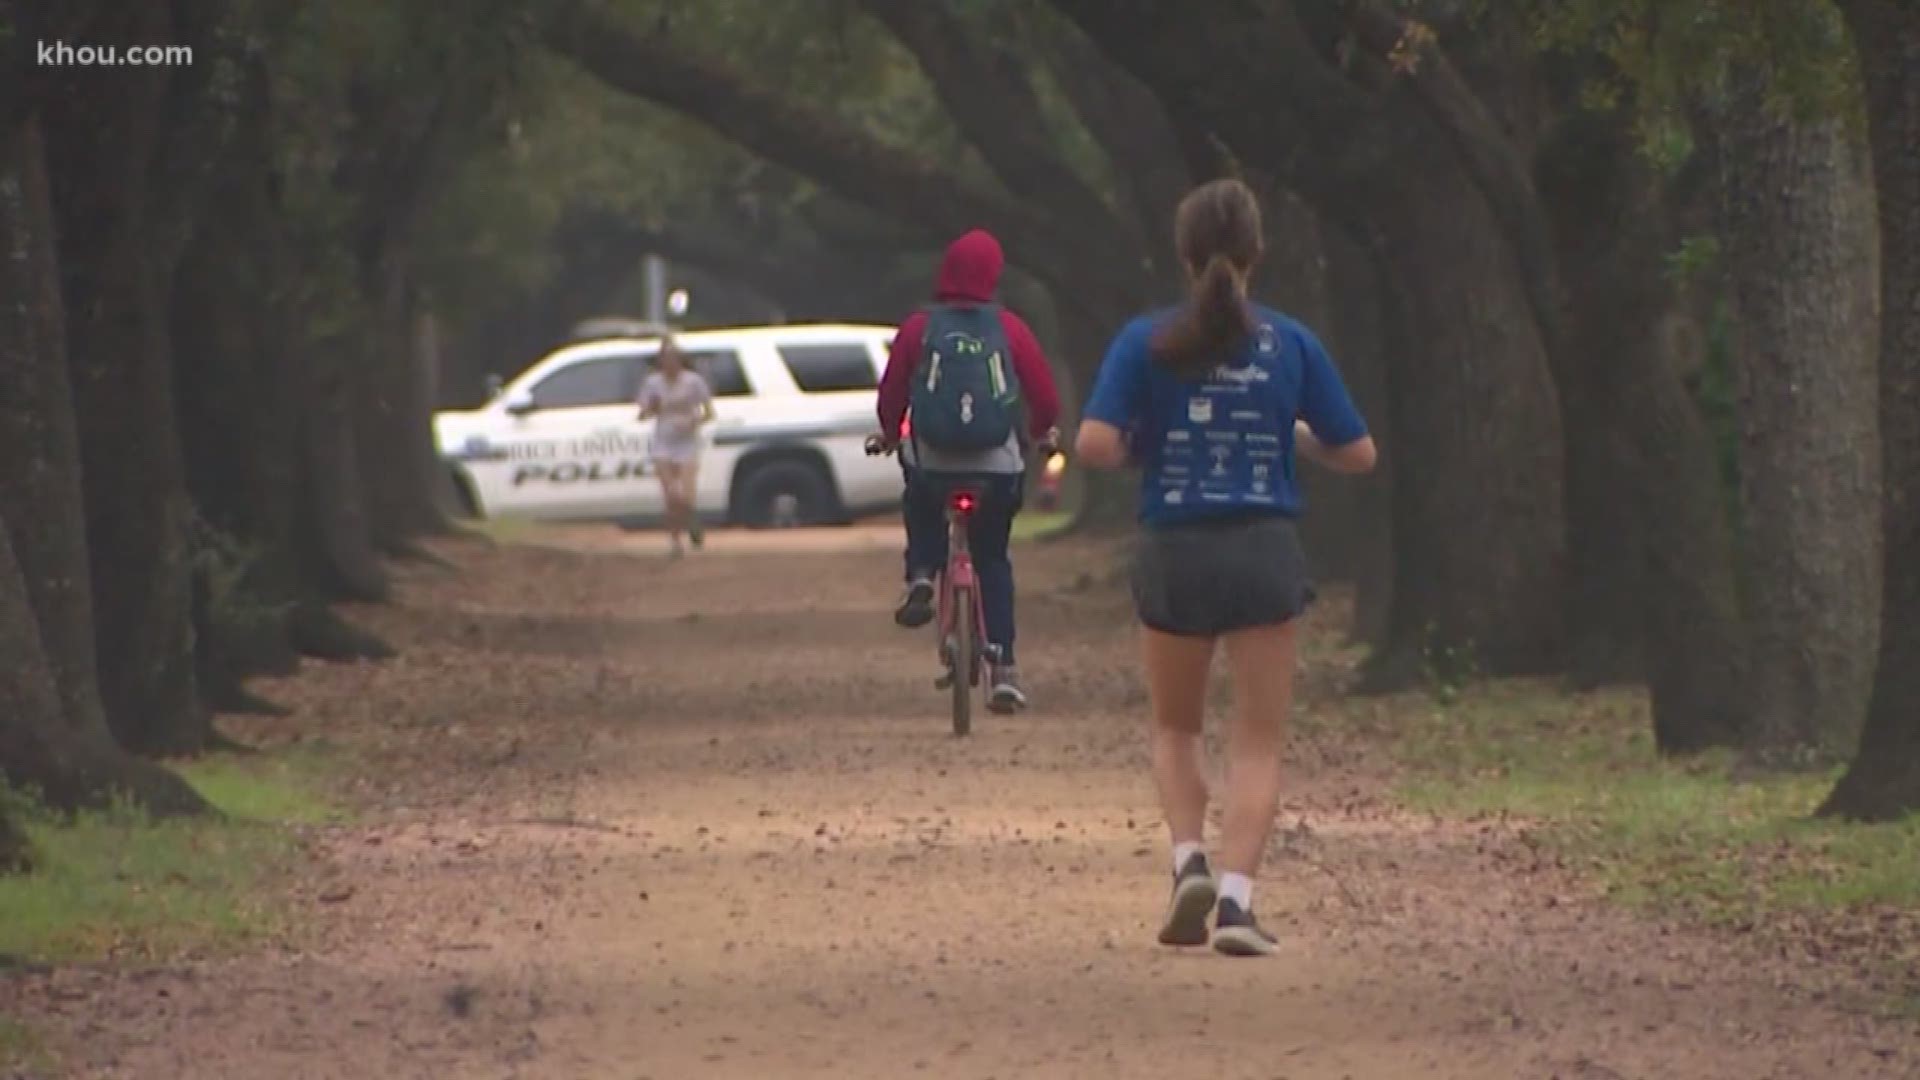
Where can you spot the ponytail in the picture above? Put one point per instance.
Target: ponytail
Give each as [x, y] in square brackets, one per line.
[1212, 321]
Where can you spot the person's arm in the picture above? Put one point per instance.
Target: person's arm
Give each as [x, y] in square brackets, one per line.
[1030, 366]
[1100, 445]
[649, 400]
[1329, 431]
[706, 401]
[1116, 404]
[896, 383]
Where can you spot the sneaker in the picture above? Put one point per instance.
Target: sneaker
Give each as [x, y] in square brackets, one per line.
[1006, 695]
[916, 607]
[1194, 892]
[697, 535]
[1237, 933]
[676, 550]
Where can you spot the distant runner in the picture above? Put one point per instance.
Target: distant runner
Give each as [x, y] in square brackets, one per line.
[1205, 398]
[680, 403]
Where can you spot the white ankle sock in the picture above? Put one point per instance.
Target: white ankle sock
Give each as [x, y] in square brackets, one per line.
[1184, 850]
[1237, 888]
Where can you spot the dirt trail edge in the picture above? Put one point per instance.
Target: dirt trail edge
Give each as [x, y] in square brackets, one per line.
[639, 819]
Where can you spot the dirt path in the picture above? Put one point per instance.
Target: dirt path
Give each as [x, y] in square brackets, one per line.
[635, 820]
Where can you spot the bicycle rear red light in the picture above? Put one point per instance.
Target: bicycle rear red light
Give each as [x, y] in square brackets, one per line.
[963, 502]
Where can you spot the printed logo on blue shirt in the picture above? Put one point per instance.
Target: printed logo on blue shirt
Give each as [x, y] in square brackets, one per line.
[1241, 376]
[1265, 341]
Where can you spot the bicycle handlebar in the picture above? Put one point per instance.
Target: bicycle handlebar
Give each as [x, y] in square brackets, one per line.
[877, 445]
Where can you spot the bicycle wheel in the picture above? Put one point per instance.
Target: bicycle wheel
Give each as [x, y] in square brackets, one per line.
[963, 659]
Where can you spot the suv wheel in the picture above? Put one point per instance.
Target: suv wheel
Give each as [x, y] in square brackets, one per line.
[785, 495]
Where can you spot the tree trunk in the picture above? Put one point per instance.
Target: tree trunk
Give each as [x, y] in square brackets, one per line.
[231, 397]
[1477, 502]
[1361, 353]
[1800, 253]
[400, 470]
[1653, 559]
[336, 538]
[38, 438]
[1617, 295]
[242, 384]
[53, 731]
[1884, 781]
[102, 135]
[40, 752]
[1695, 639]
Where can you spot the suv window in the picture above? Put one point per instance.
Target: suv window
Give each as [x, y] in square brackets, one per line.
[722, 369]
[608, 381]
[724, 374]
[823, 369]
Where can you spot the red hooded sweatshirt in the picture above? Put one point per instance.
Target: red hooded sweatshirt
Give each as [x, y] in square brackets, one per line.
[971, 272]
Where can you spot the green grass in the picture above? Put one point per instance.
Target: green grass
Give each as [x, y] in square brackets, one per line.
[1040, 524]
[1673, 835]
[275, 788]
[117, 884]
[504, 531]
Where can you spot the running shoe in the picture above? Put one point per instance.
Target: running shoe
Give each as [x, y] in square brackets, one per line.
[1194, 892]
[1237, 933]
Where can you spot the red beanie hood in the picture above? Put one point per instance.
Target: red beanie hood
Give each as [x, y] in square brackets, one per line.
[971, 269]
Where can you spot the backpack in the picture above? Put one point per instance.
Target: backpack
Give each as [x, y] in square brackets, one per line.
[965, 393]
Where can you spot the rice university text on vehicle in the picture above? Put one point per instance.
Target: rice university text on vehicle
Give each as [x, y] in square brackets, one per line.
[592, 459]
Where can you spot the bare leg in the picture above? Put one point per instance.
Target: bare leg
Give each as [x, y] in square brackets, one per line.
[1177, 683]
[1263, 660]
[670, 491]
[689, 508]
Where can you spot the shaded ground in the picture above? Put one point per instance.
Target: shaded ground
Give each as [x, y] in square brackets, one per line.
[638, 819]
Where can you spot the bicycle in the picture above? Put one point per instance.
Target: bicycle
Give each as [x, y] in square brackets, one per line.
[960, 614]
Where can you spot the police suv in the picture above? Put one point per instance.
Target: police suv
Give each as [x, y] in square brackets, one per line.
[793, 404]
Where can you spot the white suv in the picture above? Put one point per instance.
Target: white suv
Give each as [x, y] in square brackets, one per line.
[793, 405]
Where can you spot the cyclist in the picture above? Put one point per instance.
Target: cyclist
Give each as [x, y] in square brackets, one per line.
[680, 403]
[967, 369]
[1214, 400]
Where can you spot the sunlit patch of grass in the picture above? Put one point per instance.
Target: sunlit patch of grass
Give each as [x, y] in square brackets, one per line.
[277, 788]
[116, 883]
[1040, 524]
[1671, 834]
[502, 530]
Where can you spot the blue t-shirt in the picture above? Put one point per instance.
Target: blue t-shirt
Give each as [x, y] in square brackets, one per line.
[1222, 445]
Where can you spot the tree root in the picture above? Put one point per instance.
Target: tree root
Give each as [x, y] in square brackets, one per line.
[318, 632]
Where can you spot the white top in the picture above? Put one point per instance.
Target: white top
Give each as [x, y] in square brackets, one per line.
[678, 404]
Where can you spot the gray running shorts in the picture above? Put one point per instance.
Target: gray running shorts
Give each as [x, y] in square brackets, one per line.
[1210, 577]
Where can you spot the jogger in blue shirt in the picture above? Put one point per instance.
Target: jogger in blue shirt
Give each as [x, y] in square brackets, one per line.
[1215, 401]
